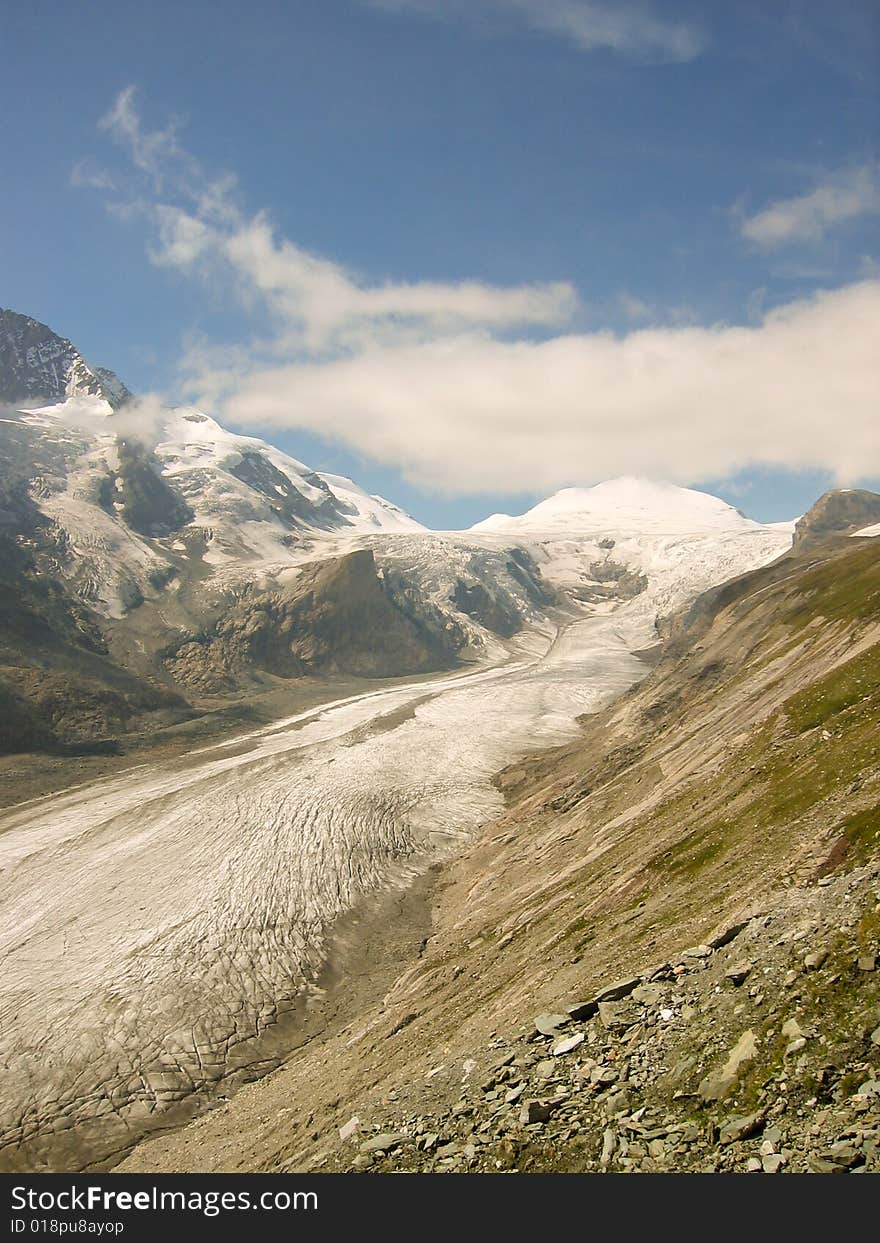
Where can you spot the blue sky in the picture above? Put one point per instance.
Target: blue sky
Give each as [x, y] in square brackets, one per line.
[467, 252]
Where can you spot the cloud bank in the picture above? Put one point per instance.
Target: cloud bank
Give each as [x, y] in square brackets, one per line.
[472, 414]
[448, 383]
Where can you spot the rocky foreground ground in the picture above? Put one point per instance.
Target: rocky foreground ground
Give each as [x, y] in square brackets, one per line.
[758, 1052]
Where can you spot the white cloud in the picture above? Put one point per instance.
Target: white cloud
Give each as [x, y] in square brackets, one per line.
[473, 414]
[807, 217]
[318, 305]
[86, 174]
[151, 150]
[442, 380]
[629, 28]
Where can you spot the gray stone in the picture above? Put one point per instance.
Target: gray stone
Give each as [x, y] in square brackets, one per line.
[559, 1099]
[568, 1044]
[616, 1102]
[582, 1010]
[819, 1165]
[772, 1162]
[664, 971]
[681, 1069]
[609, 1144]
[720, 1082]
[535, 1111]
[617, 1016]
[619, 989]
[549, 1024]
[738, 973]
[729, 934]
[698, 951]
[739, 1127]
[867, 962]
[647, 994]
[813, 962]
[875, 1036]
[844, 1154]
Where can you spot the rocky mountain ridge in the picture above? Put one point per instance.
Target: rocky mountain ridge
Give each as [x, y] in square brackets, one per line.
[843, 511]
[37, 367]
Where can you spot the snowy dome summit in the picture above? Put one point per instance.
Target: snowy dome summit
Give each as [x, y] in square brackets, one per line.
[625, 504]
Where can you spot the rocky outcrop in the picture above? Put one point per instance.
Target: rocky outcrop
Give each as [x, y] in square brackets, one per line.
[286, 502]
[38, 367]
[792, 1083]
[497, 600]
[476, 601]
[60, 689]
[840, 512]
[339, 616]
[148, 503]
[608, 580]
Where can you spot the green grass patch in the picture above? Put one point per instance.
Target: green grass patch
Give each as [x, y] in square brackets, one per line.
[845, 588]
[853, 684]
[697, 850]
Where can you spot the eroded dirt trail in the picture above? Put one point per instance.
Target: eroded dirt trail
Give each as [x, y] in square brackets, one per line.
[157, 926]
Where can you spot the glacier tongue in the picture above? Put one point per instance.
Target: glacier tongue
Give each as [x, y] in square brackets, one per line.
[157, 926]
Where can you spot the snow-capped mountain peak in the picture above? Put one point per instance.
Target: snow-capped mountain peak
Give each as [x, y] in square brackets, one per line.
[661, 542]
[143, 497]
[627, 503]
[37, 366]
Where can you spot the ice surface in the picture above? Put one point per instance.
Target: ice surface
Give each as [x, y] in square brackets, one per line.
[154, 922]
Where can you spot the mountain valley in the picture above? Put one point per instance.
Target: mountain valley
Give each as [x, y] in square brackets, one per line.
[297, 791]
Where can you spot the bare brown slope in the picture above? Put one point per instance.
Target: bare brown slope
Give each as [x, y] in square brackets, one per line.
[742, 772]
